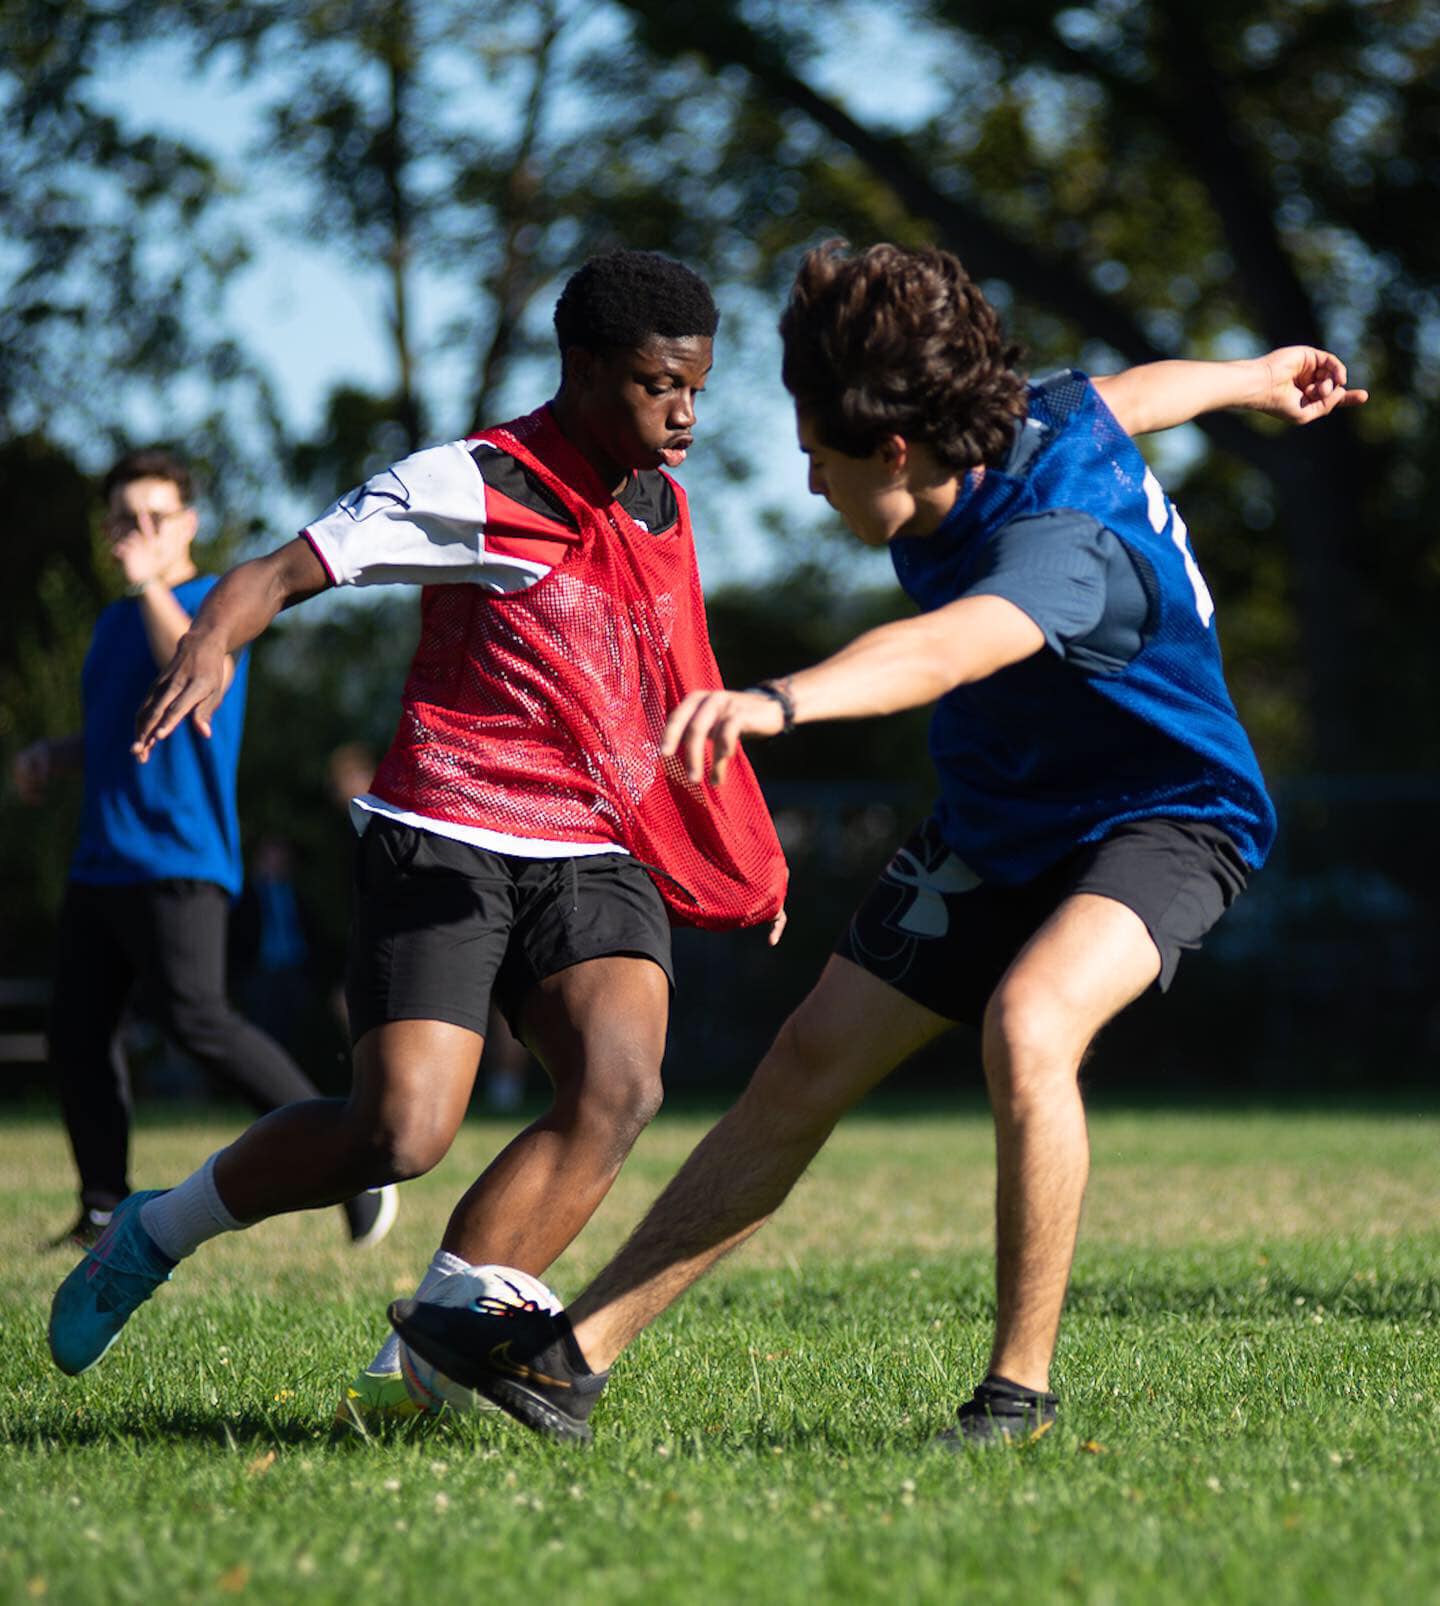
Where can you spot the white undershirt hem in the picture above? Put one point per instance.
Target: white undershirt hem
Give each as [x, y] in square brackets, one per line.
[362, 809]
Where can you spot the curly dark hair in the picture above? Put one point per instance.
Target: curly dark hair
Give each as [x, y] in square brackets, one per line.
[150, 463]
[623, 298]
[898, 341]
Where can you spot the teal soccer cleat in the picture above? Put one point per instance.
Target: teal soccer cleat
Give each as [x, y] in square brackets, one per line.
[119, 1273]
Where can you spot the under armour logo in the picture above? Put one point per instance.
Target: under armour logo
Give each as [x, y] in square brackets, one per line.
[379, 494]
[926, 915]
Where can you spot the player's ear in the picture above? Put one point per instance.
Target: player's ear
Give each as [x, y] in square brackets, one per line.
[894, 453]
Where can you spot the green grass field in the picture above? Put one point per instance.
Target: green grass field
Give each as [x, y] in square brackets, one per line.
[1250, 1374]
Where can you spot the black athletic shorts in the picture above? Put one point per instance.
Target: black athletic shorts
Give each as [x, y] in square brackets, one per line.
[935, 932]
[439, 925]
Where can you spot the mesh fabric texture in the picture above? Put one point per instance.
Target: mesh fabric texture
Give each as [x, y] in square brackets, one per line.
[539, 713]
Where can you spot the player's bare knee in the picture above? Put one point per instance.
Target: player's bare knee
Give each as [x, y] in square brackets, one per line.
[636, 1099]
[399, 1150]
[405, 1160]
[622, 1096]
[648, 1098]
[1028, 1043]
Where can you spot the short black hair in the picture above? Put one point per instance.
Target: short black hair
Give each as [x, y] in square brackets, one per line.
[150, 463]
[624, 298]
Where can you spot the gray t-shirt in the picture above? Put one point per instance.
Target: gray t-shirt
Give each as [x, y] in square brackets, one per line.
[1090, 595]
[1081, 585]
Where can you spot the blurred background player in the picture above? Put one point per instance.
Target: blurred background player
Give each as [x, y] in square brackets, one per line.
[271, 951]
[349, 771]
[1100, 805]
[157, 862]
[523, 836]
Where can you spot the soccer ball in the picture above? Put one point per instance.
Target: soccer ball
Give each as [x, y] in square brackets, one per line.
[479, 1288]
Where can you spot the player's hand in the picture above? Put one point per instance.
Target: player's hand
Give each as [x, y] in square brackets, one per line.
[720, 718]
[192, 685]
[1302, 383]
[140, 552]
[777, 928]
[31, 770]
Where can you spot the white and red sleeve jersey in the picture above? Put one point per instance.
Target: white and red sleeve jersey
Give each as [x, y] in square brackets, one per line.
[560, 622]
[465, 514]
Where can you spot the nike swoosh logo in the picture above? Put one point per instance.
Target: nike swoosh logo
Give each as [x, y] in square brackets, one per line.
[501, 1360]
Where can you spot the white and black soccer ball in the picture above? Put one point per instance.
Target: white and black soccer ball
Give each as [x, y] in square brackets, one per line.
[481, 1288]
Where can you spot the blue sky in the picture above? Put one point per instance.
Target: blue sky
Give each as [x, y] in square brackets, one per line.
[315, 321]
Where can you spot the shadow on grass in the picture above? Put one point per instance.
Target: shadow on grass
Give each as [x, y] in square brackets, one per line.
[243, 1433]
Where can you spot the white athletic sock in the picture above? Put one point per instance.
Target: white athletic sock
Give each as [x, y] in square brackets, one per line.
[443, 1265]
[182, 1219]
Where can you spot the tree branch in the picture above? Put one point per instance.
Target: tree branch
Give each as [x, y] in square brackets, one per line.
[513, 282]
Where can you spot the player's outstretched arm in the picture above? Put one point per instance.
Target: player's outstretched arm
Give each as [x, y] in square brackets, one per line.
[901, 665]
[1296, 383]
[236, 611]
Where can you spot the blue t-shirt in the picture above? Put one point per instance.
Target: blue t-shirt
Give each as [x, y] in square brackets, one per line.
[1124, 715]
[173, 817]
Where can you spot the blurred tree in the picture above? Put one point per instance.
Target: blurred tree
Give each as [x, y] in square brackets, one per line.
[46, 616]
[115, 258]
[1193, 178]
[1129, 179]
[469, 151]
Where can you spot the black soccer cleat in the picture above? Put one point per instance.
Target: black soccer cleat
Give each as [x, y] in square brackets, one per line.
[525, 1361]
[370, 1215]
[999, 1413]
[86, 1232]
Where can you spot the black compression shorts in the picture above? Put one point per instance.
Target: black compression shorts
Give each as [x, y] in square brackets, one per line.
[936, 933]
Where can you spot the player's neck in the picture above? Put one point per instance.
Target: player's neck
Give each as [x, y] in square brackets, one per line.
[934, 500]
[613, 476]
